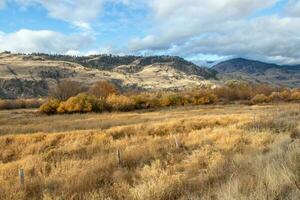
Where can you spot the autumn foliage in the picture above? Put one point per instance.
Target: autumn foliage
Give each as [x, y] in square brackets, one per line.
[103, 89]
[50, 106]
[104, 96]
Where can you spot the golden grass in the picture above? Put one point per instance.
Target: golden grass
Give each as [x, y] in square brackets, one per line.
[222, 154]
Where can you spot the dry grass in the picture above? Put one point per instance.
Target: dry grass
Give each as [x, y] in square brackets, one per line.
[20, 103]
[222, 154]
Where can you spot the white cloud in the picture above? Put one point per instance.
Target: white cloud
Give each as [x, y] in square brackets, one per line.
[179, 27]
[78, 12]
[73, 53]
[223, 27]
[217, 8]
[178, 19]
[28, 41]
[267, 38]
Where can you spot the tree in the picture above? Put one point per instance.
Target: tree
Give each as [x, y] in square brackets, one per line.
[103, 89]
[66, 89]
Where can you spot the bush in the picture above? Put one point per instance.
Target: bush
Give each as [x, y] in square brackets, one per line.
[50, 106]
[260, 98]
[66, 89]
[285, 95]
[262, 89]
[275, 96]
[120, 102]
[171, 99]
[103, 89]
[80, 104]
[107, 99]
[295, 95]
[202, 97]
[146, 100]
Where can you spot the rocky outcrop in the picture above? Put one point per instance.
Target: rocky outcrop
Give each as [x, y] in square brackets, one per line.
[16, 88]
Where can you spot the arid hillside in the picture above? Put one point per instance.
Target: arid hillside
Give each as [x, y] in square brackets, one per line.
[32, 75]
[207, 152]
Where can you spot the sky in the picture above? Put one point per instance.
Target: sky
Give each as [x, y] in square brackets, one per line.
[197, 30]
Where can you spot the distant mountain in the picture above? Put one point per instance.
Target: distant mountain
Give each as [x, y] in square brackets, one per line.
[258, 72]
[32, 75]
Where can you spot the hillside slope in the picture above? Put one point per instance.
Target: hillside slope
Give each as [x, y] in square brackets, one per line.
[258, 72]
[32, 75]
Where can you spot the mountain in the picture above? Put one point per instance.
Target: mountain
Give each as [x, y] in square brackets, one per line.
[258, 72]
[32, 75]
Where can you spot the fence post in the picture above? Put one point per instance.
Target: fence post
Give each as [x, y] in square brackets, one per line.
[119, 157]
[176, 142]
[22, 177]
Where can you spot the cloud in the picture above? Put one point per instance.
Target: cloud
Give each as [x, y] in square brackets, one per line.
[267, 38]
[228, 28]
[293, 8]
[177, 20]
[188, 28]
[80, 13]
[2, 4]
[28, 41]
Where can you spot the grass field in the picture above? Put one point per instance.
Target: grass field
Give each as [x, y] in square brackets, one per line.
[205, 152]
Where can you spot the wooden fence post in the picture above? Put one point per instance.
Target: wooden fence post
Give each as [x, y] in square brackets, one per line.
[22, 177]
[176, 142]
[119, 157]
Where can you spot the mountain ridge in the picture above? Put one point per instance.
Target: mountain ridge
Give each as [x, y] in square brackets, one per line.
[31, 75]
[258, 72]
[23, 75]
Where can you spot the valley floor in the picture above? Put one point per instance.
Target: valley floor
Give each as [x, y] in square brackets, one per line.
[204, 152]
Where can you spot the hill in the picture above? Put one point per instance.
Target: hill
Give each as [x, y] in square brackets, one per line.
[259, 72]
[32, 75]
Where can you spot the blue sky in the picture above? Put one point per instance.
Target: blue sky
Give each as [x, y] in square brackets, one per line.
[194, 29]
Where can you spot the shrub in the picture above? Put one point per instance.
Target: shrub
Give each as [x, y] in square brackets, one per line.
[145, 100]
[285, 95]
[275, 96]
[80, 104]
[262, 89]
[295, 95]
[153, 100]
[100, 105]
[50, 106]
[260, 98]
[66, 89]
[238, 90]
[171, 99]
[120, 103]
[103, 89]
[202, 97]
